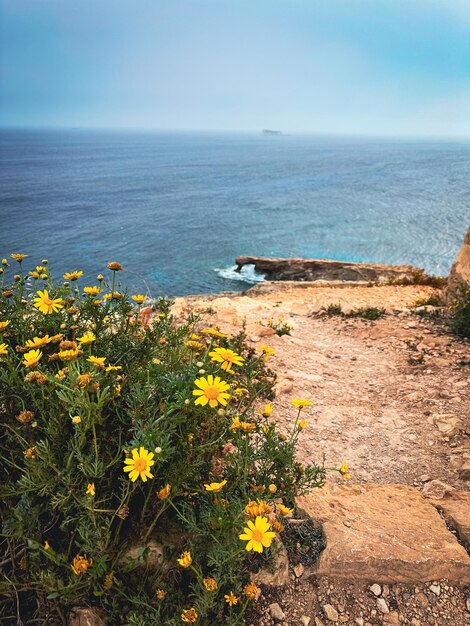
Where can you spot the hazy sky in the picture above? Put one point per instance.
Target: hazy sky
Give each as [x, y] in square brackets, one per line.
[345, 66]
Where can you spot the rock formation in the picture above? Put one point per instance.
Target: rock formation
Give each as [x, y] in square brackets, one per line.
[460, 272]
[325, 269]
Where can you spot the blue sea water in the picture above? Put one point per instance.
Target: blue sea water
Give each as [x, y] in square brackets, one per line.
[177, 208]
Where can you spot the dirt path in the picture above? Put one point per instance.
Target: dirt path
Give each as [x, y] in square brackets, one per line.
[371, 406]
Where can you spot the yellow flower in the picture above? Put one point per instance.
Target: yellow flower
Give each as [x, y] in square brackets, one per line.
[92, 291]
[266, 351]
[215, 487]
[72, 276]
[38, 342]
[113, 368]
[139, 464]
[226, 357]
[240, 391]
[117, 389]
[4, 262]
[81, 564]
[210, 584]
[257, 534]
[18, 257]
[90, 490]
[88, 337]
[255, 508]
[344, 471]
[108, 581]
[277, 526]
[31, 359]
[76, 419]
[115, 267]
[214, 332]
[97, 360]
[139, 298]
[301, 404]
[247, 427]
[230, 598]
[61, 374]
[164, 492]
[30, 453]
[194, 345]
[115, 295]
[303, 424]
[4, 324]
[189, 616]
[36, 377]
[284, 510]
[185, 559]
[25, 417]
[161, 594]
[267, 411]
[251, 591]
[34, 274]
[272, 488]
[46, 545]
[47, 305]
[211, 390]
[3, 348]
[69, 355]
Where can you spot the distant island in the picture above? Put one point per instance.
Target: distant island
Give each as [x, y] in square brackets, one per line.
[266, 131]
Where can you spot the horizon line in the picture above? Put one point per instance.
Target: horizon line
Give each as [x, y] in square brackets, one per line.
[283, 133]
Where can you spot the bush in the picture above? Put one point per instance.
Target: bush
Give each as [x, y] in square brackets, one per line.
[459, 322]
[419, 277]
[136, 473]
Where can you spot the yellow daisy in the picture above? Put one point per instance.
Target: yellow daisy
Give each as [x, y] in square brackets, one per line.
[257, 534]
[69, 355]
[185, 559]
[189, 616]
[139, 298]
[284, 510]
[164, 492]
[211, 390]
[139, 465]
[251, 591]
[92, 291]
[266, 351]
[97, 360]
[344, 471]
[230, 598]
[90, 490]
[215, 487]
[19, 257]
[3, 348]
[88, 337]
[72, 276]
[47, 305]
[38, 342]
[210, 584]
[301, 404]
[31, 359]
[226, 357]
[4, 324]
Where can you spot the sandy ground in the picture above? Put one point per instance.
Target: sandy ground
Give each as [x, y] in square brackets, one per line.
[370, 405]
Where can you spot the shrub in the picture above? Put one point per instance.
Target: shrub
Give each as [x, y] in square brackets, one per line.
[136, 473]
[279, 326]
[459, 321]
[371, 313]
[419, 277]
[333, 309]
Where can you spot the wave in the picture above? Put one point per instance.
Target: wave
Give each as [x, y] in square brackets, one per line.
[247, 274]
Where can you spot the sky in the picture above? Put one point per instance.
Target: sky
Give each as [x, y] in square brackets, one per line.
[385, 67]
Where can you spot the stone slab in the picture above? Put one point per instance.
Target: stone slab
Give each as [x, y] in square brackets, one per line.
[384, 533]
[455, 507]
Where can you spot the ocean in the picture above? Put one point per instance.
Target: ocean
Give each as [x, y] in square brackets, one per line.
[175, 209]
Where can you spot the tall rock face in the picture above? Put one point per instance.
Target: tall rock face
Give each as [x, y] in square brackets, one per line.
[460, 272]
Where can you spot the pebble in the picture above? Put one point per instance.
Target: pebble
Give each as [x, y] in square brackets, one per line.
[276, 612]
[436, 589]
[299, 570]
[359, 621]
[382, 605]
[330, 612]
[376, 589]
[305, 620]
[318, 622]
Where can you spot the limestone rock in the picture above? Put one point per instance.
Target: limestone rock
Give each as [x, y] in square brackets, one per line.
[460, 271]
[382, 605]
[464, 471]
[152, 557]
[376, 589]
[276, 612]
[396, 535]
[85, 617]
[448, 425]
[455, 507]
[323, 269]
[436, 489]
[330, 612]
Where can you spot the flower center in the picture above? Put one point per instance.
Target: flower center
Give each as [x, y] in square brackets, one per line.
[211, 392]
[257, 535]
[140, 465]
